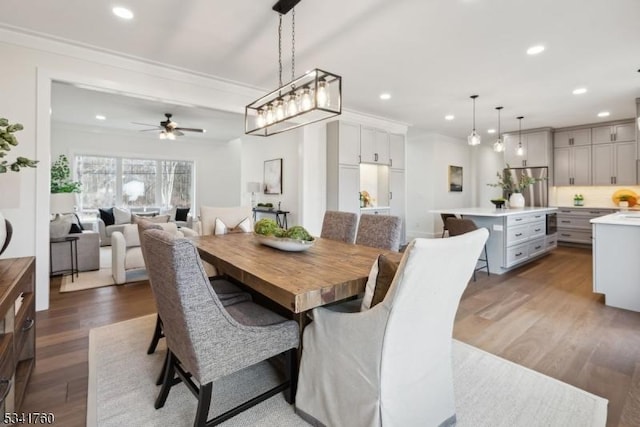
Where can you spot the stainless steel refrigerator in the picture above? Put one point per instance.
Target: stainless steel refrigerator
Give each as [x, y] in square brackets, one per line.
[536, 194]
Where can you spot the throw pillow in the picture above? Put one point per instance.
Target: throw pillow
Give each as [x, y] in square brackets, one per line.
[106, 215]
[380, 277]
[75, 228]
[135, 219]
[243, 226]
[122, 216]
[181, 214]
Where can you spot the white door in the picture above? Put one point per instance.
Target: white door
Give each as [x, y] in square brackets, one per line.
[396, 151]
[367, 145]
[348, 144]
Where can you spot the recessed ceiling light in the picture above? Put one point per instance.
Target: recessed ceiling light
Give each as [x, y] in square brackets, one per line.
[534, 50]
[449, 117]
[580, 91]
[385, 96]
[603, 114]
[491, 131]
[122, 12]
[100, 117]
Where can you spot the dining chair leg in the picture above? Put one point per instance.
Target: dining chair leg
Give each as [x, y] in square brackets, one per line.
[167, 383]
[164, 367]
[204, 401]
[292, 367]
[486, 259]
[157, 334]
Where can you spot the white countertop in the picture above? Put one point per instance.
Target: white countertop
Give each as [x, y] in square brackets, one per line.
[619, 218]
[374, 208]
[492, 211]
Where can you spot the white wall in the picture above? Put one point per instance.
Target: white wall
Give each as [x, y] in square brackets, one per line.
[217, 164]
[255, 150]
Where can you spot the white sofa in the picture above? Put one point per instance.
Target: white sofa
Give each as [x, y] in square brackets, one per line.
[127, 263]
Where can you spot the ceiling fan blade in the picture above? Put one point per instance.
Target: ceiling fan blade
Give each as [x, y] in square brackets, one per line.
[146, 124]
[190, 129]
[148, 130]
[177, 132]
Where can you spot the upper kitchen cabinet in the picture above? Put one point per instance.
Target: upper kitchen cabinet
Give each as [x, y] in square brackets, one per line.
[614, 163]
[536, 149]
[569, 138]
[374, 146]
[345, 141]
[396, 151]
[618, 132]
[572, 165]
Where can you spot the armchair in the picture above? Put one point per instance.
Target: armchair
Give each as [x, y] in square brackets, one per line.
[391, 365]
[127, 262]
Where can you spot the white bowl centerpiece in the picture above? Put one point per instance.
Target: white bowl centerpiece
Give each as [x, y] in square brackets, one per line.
[295, 239]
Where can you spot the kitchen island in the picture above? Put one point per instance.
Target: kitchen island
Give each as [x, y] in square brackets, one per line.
[516, 236]
[616, 251]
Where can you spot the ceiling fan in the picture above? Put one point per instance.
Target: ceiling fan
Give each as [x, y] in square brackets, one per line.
[169, 129]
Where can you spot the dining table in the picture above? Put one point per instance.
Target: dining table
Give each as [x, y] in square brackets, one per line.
[329, 271]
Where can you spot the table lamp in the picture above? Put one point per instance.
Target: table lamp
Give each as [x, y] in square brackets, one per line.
[253, 188]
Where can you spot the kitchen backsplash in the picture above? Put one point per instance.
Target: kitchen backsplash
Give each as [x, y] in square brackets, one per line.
[596, 196]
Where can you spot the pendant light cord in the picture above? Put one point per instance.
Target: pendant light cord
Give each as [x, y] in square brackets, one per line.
[293, 44]
[474, 114]
[280, 50]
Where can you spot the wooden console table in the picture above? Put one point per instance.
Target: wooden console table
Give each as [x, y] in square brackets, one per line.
[17, 332]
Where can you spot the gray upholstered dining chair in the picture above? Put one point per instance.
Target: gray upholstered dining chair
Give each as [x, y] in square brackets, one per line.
[339, 226]
[391, 365]
[458, 226]
[379, 231]
[205, 340]
[227, 292]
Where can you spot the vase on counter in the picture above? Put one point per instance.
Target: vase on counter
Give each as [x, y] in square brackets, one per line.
[516, 200]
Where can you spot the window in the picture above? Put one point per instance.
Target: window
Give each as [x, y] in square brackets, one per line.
[134, 183]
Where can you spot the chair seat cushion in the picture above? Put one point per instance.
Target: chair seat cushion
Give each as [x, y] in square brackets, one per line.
[252, 314]
[228, 293]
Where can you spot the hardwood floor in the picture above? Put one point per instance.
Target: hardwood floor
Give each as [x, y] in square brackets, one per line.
[542, 316]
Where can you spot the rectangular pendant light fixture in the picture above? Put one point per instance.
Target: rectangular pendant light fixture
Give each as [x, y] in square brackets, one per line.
[314, 96]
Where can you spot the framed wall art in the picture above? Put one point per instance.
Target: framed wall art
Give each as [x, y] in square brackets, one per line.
[273, 176]
[455, 178]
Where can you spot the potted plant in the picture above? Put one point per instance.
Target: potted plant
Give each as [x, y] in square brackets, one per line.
[623, 201]
[63, 188]
[8, 140]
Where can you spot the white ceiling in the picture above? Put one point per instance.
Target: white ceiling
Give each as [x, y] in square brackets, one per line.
[431, 55]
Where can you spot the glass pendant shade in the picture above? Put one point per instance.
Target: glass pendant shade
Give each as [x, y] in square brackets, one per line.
[498, 146]
[520, 150]
[474, 137]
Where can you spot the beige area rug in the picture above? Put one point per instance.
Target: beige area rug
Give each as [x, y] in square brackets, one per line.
[98, 278]
[490, 391]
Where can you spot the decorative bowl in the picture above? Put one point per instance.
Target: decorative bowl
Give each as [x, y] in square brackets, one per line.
[498, 202]
[284, 243]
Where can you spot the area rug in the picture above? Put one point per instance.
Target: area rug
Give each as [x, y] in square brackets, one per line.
[98, 278]
[490, 391]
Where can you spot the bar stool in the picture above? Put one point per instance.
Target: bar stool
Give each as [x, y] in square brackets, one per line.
[457, 226]
[444, 217]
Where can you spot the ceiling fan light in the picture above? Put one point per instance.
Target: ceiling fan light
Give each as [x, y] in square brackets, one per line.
[171, 136]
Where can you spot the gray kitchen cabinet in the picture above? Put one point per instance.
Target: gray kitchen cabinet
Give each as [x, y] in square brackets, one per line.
[572, 165]
[536, 145]
[614, 163]
[374, 146]
[618, 132]
[570, 138]
[574, 224]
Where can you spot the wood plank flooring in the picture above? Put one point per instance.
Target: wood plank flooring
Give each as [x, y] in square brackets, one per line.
[543, 316]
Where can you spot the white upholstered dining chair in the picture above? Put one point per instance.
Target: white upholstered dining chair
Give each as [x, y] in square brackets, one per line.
[390, 365]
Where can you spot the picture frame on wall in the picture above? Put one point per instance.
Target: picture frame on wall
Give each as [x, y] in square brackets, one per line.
[455, 178]
[273, 176]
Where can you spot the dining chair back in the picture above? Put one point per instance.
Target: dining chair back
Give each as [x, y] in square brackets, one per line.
[231, 216]
[444, 217]
[458, 226]
[391, 365]
[379, 231]
[205, 340]
[339, 226]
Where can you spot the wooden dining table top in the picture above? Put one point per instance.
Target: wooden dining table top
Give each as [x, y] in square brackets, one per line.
[327, 272]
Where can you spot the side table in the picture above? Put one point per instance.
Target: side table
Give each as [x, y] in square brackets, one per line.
[281, 216]
[73, 255]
